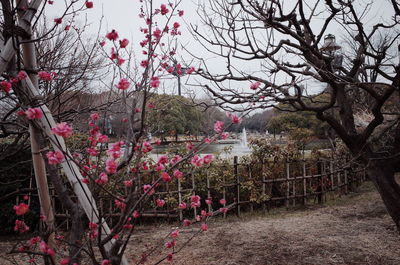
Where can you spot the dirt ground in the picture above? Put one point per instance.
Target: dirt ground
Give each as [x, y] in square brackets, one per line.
[354, 229]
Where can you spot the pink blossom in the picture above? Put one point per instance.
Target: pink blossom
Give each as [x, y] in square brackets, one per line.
[164, 10]
[209, 201]
[204, 227]
[58, 20]
[85, 180]
[92, 151]
[235, 119]
[128, 183]
[222, 201]
[186, 222]
[136, 214]
[102, 43]
[146, 147]
[102, 138]
[223, 210]
[106, 262]
[182, 206]
[160, 203]
[5, 86]
[64, 261]
[165, 177]
[195, 201]
[21, 208]
[208, 140]
[175, 159]
[20, 227]
[175, 234]
[163, 160]
[119, 204]
[55, 158]
[120, 61]
[103, 179]
[176, 25]
[127, 226]
[45, 76]
[218, 126]
[111, 166]
[190, 70]
[147, 189]
[123, 84]
[159, 167]
[170, 257]
[123, 43]
[144, 63]
[62, 129]
[189, 146]
[22, 75]
[89, 4]
[113, 35]
[155, 82]
[94, 116]
[34, 113]
[208, 159]
[224, 135]
[178, 174]
[196, 161]
[255, 85]
[181, 13]
[157, 33]
[151, 105]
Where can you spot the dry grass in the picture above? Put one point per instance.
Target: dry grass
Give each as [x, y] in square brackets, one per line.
[353, 230]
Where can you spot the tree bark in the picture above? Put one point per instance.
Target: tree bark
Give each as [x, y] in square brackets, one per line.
[382, 175]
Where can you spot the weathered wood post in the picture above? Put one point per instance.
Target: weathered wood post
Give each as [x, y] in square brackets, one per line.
[263, 185]
[208, 190]
[287, 184]
[180, 198]
[237, 177]
[304, 183]
[319, 179]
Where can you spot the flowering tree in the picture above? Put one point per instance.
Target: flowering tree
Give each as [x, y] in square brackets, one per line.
[289, 42]
[123, 169]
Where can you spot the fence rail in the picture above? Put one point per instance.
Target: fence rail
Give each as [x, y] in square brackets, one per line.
[297, 183]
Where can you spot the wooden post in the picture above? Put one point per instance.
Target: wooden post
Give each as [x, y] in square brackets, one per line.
[194, 193]
[208, 190]
[320, 186]
[304, 183]
[287, 184]
[236, 173]
[250, 177]
[264, 188]
[180, 198]
[224, 190]
[294, 189]
[346, 183]
[331, 169]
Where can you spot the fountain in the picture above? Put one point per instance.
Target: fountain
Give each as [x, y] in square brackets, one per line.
[244, 138]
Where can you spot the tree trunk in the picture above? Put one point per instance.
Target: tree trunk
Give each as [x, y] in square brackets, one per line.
[382, 175]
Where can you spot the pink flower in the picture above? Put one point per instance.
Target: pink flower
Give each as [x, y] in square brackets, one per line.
[218, 126]
[208, 140]
[175, 234]
[102, 138]
[181, 13]
[178, 174]
[195, 201]
[151, 105]
[235, 119]
[223, 210]
[45, 76]
[170, 257]
[123, 84]
[111, 166]
[144, 63]
[106, 262]
[175, 159]
[113, 35]
[165, 177]
[58, 20]
[102, 43]
[255, 85]
[182, 206]
[22, 75]
[176, 25]
[224, 135]
[204, 227]
[163, 160]
[190, 70]
[123, 43]
[136, 214]
[89, 4]
[55, 158]
[85, 180]
[146, 147]
[147, 189]
[21, 208]
[196, 161]
[208, 159]
[103, 179]
[20, 227]
[160, 203]
[128, 183]
[186, 222]
[64, 261]
[62, 129]
[164, 10]
[189, 146]
[5, 86]
[34, 113]
[94, 116]
[222, 201]
[209, 201]
[159, 167]
[155, 82]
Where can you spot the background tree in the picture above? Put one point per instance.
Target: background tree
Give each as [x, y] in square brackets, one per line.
[290, 43]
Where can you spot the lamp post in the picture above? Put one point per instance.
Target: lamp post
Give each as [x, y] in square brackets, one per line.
[329, 48]
[178, 73]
